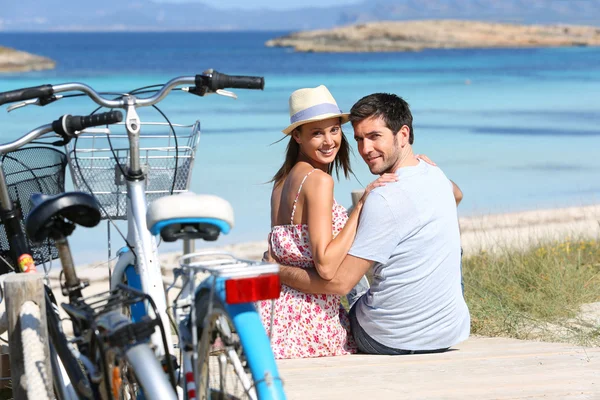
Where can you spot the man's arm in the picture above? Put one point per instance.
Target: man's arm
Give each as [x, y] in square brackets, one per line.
[309, 281]
[458, 194]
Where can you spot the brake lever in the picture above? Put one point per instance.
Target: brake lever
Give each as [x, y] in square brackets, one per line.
[19, 105]
[65, 141]
[40, 101]
[226, 93]
[203, 91]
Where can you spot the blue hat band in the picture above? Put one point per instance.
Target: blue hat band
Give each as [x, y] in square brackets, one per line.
[315, 111]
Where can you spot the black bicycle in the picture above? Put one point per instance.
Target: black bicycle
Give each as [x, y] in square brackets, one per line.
[109, 353]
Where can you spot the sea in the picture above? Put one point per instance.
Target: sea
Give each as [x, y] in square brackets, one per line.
[516, 129]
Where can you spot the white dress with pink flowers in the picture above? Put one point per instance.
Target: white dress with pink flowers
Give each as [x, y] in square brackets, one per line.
[305, 325]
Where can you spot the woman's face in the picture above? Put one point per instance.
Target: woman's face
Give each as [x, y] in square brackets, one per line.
[320, 140]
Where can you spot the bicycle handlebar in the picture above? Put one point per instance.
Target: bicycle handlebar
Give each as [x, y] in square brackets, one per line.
[210, 79]
[26, 94]
[65, 126]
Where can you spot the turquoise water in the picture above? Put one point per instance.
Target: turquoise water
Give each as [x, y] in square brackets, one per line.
[515, 129]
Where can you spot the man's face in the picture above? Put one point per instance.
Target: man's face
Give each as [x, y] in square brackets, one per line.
[377, 145]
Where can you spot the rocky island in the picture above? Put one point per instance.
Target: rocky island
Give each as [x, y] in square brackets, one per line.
[395, 36]
[19, 61]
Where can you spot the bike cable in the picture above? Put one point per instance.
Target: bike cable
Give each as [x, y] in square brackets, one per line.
[7, 263]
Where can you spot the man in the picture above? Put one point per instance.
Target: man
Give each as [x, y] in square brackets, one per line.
[408, 233]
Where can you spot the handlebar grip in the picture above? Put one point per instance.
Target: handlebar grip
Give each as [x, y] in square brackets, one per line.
[66, 125]
[77, 123]
[218, 80]
[26, 94]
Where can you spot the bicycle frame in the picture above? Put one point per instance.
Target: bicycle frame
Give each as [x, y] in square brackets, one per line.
[145, 260]
[144, 264]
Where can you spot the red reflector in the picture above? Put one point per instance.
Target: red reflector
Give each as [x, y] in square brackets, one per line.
[247, 290]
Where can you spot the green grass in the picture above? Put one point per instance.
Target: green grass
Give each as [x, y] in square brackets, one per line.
[535, 294]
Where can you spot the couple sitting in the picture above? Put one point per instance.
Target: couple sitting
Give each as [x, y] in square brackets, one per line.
[404, 229]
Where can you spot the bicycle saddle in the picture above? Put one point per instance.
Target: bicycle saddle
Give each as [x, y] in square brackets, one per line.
[189, 216]
[48, 214]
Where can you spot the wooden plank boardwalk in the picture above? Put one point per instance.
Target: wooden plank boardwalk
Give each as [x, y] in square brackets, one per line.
[480, 368]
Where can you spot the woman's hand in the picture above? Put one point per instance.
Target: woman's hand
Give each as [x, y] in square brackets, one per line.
[268, 255]
[381, 181]
[425, 158]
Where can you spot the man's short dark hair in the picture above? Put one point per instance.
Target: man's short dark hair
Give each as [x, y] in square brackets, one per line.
[392, 108]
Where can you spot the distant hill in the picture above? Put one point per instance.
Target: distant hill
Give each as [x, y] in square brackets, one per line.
[436, 34]
[19, 61]
[146, 15]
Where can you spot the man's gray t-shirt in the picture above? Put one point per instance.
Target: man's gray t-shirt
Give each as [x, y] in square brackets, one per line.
[410, 229]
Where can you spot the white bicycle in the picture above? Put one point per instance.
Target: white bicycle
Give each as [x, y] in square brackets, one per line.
[123, 179]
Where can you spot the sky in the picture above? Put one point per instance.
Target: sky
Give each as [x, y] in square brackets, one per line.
[272, 4]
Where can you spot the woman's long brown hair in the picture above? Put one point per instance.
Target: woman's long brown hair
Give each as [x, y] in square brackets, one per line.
[341, 162]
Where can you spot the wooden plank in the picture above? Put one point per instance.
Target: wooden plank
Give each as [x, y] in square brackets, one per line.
[480, 368]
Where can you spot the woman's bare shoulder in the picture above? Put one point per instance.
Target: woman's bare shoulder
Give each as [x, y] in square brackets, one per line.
[296, 175]
[319, 179]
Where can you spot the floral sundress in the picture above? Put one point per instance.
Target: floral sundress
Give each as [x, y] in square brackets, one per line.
[305, 325]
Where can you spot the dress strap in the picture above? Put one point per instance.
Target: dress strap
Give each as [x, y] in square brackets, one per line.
[297, 195]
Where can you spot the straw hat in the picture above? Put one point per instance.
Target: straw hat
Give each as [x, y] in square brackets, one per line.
[313, 104]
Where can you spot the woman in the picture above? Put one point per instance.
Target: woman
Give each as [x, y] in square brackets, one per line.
[310, 230]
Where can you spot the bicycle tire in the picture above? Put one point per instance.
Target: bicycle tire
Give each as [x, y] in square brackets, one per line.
[63, 388]
[70, 377]
[247, 346]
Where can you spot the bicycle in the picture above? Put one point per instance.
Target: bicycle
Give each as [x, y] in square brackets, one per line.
[138, 264]
[100, 328]
[232, 338]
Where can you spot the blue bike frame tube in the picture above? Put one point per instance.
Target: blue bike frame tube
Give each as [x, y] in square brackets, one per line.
[138, 310]
[258, 351]
[125, 268]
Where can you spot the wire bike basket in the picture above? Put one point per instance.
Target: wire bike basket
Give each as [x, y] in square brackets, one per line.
[29, 170]
[98, 158]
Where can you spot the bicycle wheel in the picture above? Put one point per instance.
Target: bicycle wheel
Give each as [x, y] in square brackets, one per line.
[223, 368]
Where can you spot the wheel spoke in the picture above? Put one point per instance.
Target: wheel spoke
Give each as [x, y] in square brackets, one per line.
[222, 361]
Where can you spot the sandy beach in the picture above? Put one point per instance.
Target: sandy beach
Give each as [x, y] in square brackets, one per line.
[520, 230]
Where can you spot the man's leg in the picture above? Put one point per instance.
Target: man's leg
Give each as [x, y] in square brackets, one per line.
[357, 291]
[365, 343]
[368, 345]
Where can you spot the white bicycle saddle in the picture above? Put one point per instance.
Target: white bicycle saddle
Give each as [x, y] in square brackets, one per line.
[189, 209]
